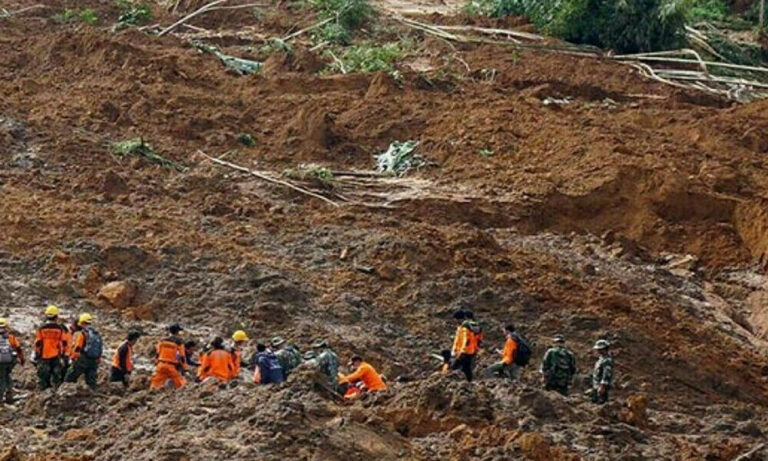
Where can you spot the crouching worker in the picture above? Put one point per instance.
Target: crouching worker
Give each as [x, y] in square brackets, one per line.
[10, 354]
[122, 362]
[87, 349]
[268, 369]
[364, 378]
[216, 364]
[171, 360]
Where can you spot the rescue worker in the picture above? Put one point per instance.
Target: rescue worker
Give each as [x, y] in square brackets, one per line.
[365, 373]
[69, 330]
[87, 349]
[50, 349]
[327, 364]
[216, 363]
[171, 360]
[506, 366]
[190, 351]
[10, 355]
[466, 343]
[268, 369]
[289, 356]
[240, 338]
[558, 366]
[122, 362]
[602, 374]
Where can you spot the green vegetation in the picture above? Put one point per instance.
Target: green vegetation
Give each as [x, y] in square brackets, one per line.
[708, 10]
[626, 26]
[345, 16]
[246, 139]
[133, 16]
[399, 158]
[369, 57]
[138, 148]
[69, 16]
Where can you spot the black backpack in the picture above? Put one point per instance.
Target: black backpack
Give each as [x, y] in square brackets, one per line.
[7, 354]
[523, 352]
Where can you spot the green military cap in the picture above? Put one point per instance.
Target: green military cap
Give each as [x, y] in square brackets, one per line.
[601, 344]
[309, 355]
[320, 342]
[558, 339]
[277, 341]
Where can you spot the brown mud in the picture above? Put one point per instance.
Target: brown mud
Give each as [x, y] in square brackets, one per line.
[635, 212]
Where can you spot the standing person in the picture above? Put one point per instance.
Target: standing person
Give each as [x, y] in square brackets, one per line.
[216, 363]
[466, 343]
[289, 356]
[240, 338]
[506, 366]
[171, 360]
[268, 369]
[50, 349]
[10, 354]
[327, 363]
[87, 349]
[122, 362]
[69, 330]
[558, 366]
[602, 374]
[193, 358]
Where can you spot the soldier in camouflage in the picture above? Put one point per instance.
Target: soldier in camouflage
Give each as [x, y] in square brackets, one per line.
[558, 367]
[602, 375]
[327, 364]
[289, 356]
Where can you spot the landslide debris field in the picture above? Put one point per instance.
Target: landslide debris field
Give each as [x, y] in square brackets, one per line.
[563, 193]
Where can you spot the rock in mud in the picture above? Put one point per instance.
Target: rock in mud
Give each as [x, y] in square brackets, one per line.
[118, 294]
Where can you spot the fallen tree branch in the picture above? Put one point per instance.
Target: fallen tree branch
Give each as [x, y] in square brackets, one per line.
[8, 14]
[186, 18]
[491, 31]
[268, 179]
[747, 455]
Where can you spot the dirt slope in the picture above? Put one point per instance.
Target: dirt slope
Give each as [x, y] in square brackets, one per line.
[578, 222]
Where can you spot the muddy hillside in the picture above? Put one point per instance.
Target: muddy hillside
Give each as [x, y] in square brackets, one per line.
[559, 191]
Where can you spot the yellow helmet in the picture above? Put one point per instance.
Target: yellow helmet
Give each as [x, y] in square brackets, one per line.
[52, 311]
[3, 322]
[84, 318]
[240, 335]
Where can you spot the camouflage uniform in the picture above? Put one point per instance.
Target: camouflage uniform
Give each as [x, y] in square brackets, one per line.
[602, 375]
[328, 366]
[558, 367]
[289, 358]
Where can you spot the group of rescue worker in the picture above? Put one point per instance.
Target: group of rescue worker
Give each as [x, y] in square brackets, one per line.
[558, 366]
[63, 353]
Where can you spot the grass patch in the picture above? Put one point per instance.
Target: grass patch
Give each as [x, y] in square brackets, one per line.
[138, 148]
[346, 17]
[69, 16]
[708, 10]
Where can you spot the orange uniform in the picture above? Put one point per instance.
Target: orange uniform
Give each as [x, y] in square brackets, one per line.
[465, 341]
[123, 358]
[217, 363]
[67, 338]
[368, 375]
[50, 341]
[171, 359]
[236, 357]
[78, 343]
[508, 354]
[15, 344]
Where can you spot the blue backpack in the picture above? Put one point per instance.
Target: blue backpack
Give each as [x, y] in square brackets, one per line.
[94, 346]
[271, 370]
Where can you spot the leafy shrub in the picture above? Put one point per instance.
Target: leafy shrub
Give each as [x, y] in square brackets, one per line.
[708, 10]
[624, 25]
[134, 16]
[138, 148]
[347, 15]
[373, 58]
